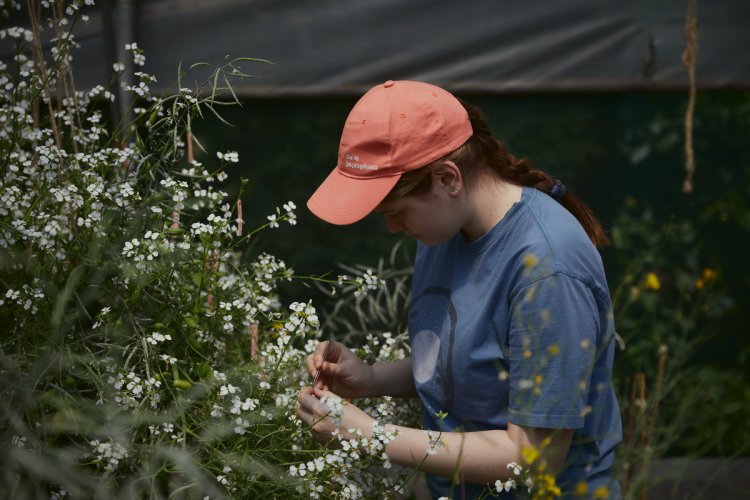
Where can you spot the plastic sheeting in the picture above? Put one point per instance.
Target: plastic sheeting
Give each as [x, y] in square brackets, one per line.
[335, 47]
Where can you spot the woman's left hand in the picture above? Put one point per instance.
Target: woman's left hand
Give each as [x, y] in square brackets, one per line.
[325, 418]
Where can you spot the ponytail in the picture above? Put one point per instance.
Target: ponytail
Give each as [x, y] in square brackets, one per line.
[482, 149]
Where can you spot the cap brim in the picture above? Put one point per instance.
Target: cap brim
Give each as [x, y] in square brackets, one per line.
[345, 200]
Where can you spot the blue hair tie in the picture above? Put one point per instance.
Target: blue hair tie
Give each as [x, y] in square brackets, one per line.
[558, 190]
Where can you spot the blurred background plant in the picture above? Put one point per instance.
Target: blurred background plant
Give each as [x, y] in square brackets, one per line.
[668, 303]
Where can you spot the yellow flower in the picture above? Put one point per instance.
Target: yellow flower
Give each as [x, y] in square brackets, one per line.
[530, 260]
[546, 487]
[651, 282]
[530, 454]
[538, 379]
[554, 349]
[601, 492]
[581, 489]
[708, 274]
[526, 354]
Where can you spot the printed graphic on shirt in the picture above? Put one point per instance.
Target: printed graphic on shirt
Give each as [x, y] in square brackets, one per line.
[427, 344]
[433, 317]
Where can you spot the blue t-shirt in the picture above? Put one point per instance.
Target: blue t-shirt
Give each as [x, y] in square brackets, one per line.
[517, 327]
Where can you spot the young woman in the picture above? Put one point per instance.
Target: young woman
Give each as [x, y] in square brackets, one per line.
[510, 319]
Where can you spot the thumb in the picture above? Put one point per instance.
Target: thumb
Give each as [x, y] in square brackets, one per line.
[320, 393]
[331, 368]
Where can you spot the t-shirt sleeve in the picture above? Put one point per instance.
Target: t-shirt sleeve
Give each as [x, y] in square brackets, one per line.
[554, 323]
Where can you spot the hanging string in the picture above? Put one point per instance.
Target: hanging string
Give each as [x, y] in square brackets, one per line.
[688, 60]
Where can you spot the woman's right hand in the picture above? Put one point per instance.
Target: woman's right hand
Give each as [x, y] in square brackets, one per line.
[341, 372]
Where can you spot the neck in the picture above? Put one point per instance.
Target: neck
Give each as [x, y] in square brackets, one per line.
[488, 203]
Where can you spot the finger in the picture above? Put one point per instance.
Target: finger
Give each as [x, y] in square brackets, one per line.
[306, 416]
[311, 368]
[309, 418]
[330, 368]
[334, 353]
[303, 398]
[318, 358]
[319, 353]
[309, 402]
[321, 381]
[330, 379]
[319, 393]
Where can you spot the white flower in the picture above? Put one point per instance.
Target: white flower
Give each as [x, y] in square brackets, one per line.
[435, 442]
[229, 156]
[217, 411]
[169, 359]
[157, 337]
[517, 469]
[368, 281]
[297, 471]
[273, 223]
[335, 410]
[525, 384]
[54, 495]
[109, 454]
[508, 485]
[227, 389]
[242, 426]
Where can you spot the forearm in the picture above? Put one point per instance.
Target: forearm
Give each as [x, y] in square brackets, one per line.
[475, 457]
[393, 378]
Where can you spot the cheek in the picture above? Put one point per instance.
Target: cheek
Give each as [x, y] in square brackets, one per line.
[439, 226]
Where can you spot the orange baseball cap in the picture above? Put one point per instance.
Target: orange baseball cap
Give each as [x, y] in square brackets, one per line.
[395, 127]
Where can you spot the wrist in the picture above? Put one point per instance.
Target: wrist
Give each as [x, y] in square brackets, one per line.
[373, 438]
[374, 390]
[379, 436]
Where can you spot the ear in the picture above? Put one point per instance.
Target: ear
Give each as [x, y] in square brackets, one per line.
[447, 176]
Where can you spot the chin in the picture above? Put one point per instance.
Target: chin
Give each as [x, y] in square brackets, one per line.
[426, 242]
